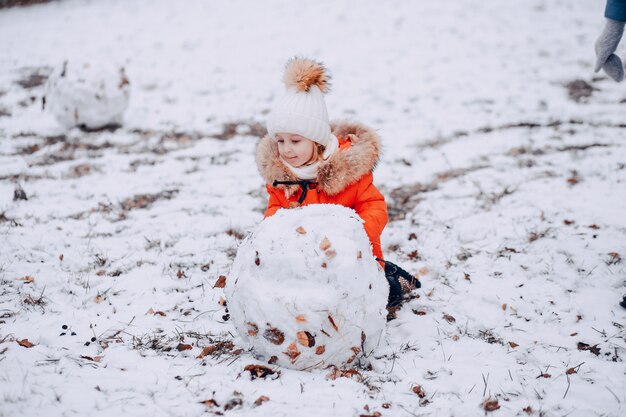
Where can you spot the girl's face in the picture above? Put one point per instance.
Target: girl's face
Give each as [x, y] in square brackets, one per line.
[295, 149]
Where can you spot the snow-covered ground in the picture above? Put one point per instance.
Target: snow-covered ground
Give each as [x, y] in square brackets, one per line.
[504, 170]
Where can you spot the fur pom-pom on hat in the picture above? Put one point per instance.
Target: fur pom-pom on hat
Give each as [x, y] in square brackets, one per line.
[301, 109]
[302, 73]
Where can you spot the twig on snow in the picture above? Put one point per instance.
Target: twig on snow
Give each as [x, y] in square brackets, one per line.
[603, 333]
[613, 395]
[410, 412]
[441, 344]
[568, 385]
[485, 381]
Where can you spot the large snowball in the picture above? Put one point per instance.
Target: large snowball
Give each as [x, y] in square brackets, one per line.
[305, 291]
[90, 96]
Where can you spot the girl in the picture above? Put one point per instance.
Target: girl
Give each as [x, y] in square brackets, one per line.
[304, 160]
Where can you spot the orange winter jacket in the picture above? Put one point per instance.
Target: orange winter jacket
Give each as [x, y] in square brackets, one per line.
[345, 178]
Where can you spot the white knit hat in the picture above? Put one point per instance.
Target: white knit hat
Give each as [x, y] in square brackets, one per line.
[302, 110]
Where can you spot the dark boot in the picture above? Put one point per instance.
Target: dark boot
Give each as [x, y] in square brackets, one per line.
[395, 289]
[400, 283]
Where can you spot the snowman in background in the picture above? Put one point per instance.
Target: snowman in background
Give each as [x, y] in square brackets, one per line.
[88, 96]
[305, 291]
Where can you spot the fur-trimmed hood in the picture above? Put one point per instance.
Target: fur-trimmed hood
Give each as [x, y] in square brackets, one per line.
[342, 169]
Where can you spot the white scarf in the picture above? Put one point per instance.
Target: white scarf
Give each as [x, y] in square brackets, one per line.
[309, 172]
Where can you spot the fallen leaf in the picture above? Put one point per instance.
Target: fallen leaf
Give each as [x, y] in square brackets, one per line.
[182, 347]
[221, 282]
[491, 405]
[325, 244]
[101, 272]
[274, 336]
[235, 402]
[292, 352]
[253, 329]
[574, 179]
[571, 371]
[222, 301]
[300, 318]
[331, 254]
[332, 323]
[98, 299]
[544, 375]
[568, 222]
[386, 405]
[594, 226]
[574, 334]
[301, 230]
[504, 307]
[528, 410]
[449, 318]
[27, 279]
[359, 255]
[343, 373]
[306, 339]
[593, 349]
[273, 360]
[94, 359]
[61, 257]
[417, 389]
[513, 345]
[210, 403]
[334, 374]
[260, 371]
[320, 350]
[261, 400]
[160, 313]
[181, 274]
[349, 373]
[423, 271]
[467, 276]
[419, 312]
[257, 261]
[216, 347]
[150, 311]
[324, 265]
[25, 343]
[355, 352]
